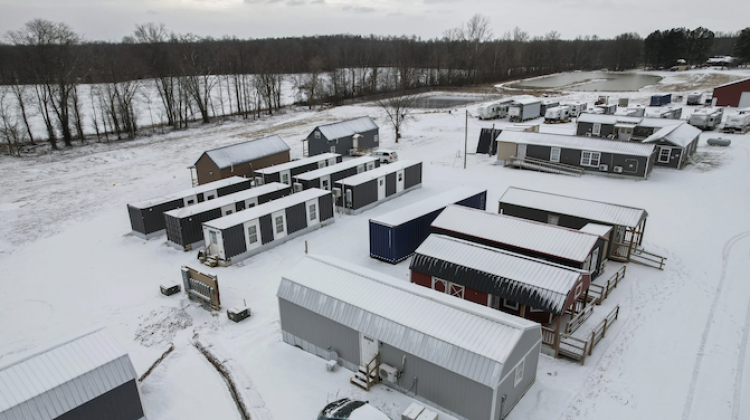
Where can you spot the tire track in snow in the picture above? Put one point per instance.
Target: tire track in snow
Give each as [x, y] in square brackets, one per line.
[737, 403]
[709, 322]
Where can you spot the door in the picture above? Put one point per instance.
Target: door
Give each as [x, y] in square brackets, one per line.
[595, 259]
[368, 348]
[213, 237]
[521, 151]
[360, 169]
[371, 166]
[381, 188]
[258, 181]
[439, 285]
[251, 202]
[400, 180]
[278, 223]
[322, 164]
[325, 182]
[252, 234]
[596, 129]
[620, 250]
[312, 212]
[285, 178]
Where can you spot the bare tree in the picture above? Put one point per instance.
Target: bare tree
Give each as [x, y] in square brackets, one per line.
[11, 130]
[309, 84]
[398, 109]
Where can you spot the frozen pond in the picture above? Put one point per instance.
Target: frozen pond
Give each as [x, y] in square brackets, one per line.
[444, 101]
[591, 81]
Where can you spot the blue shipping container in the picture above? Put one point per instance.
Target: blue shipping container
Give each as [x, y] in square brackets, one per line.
[659, 100]
[396, 235]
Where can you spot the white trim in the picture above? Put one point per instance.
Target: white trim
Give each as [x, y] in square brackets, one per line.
[517, 380]
[552, 157]
[505, 305]
[669, 155]
[596, 129]
[587, 160]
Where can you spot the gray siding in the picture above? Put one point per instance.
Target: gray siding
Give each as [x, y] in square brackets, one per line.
[584, 128]
[390, 184]
[632, 165]
[231, 189]
[234, 241]
[343, 145]
[296, 218]
[413, 175]
[190, 228]
[136, 220]
[150, 220]
[121, 403]
[325, 204]
[514, 392]
[364, 194]
[266, 229]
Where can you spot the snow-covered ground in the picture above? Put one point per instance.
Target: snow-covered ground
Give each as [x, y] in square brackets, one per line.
[68, 264]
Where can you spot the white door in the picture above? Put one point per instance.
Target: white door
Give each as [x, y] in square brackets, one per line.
[251, 202]
[313, 212]
[381, 188]
[400, 180]
[368, 348]
[252, 234]
[597, 129]
[595, 259]
[620, 250]
[325, 182]
[371, 166]
[258, 181]
[285, 177]
[278, 223]
[331, 161]
[322, 164]
[213, 241]
[521, 152]
[360, 169]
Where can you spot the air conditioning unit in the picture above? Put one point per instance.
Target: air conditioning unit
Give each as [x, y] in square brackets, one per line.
[349, 198]
[603, 167]
[617, 169]
[297, 187]
[389, 373]
[337, 193]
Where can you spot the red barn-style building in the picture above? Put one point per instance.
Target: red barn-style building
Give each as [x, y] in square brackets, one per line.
[735, 94]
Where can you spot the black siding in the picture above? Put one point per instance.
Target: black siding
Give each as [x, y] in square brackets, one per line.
[136, 220]
[153, 217]
[234, 241]
[583, 128]
[364, 194]
[269, 178]
[343, 145]
[632, 165]
[296, 218]
[174, 229]
[527, 213]
[239, 206]
[313, 183]
[325, 203]
[266, 229]
[230, 189]
[390, 184]
[413, 175]
[121, 403]
[274, 195]
[191, 227]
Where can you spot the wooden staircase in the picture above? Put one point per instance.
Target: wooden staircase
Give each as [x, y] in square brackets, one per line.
[368, 375]
[649, 259]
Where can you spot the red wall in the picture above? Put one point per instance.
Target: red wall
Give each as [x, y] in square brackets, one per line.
[730, 95]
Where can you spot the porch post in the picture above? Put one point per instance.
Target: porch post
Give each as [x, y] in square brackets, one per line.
[557, 336]
[523, 311]
[630, 243]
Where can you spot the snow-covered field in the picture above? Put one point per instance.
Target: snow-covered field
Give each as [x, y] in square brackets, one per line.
[68, 264]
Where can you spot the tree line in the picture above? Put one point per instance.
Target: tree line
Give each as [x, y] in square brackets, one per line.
[44, 64]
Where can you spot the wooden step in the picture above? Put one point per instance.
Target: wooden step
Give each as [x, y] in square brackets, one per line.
[356, 381]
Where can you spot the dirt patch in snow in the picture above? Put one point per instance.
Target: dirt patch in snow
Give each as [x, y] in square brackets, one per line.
[161, 325]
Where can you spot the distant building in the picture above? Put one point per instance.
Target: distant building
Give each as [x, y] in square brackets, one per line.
[359, 134]
[735, 94]
[241, 159]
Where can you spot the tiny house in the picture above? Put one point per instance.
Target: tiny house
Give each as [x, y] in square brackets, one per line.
[185, 226]
[394, 236]
[674, 144]
[241, 159]
[241, 235]
[324, 178]
[343, 137]
[661, 100]
[286, 171]
[147, 217]
[523, 109]
[706, 118]
[361, 192]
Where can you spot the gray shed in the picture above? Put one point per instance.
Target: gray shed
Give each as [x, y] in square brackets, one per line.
[471, 361]
[89, 377]
[341, 137]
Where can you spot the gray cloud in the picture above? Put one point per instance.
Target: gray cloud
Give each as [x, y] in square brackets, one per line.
[358, 9]
[295, 3]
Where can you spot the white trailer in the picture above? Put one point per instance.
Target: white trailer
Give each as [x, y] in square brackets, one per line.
[525, 109]
[738, 123]
[494, 110]
[706, 118]
[694, 99]
[576, 108]
[557, 114]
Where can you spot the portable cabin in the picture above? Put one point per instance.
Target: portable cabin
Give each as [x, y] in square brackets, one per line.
[394, 236]
[509, 282]
[604, 156]
[147, 217]
[628, 223]
[343, 137]
[325, 178]
[241, 159]
[523, 109]
[706, 118]
[674, 144]
[556, 244]
[694, 99]
[286, 171]
[185, 225]
[88, 377]
[661, 100]
[468, 361]
[364, 191]
[737, 123]
[557, 114]
[547, 104]
[576, 108]
[735, 94]
[241, 235]
[599, 125]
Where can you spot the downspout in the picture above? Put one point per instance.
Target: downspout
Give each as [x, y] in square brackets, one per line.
[502, 405]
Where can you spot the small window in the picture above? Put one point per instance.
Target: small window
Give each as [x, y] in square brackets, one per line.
[510, 304]
[664, 154]
[554, 154]
[376, 138]
[317, 134]
[553, 219]
[229, 212]
[380, 182]
[280, 224]
[579, 290]
[313, 212]
[285, 179]
[519, 373]
[590, 158]
[333, 149]
[190, 202]
[250, 205]
[213, 237]
[400, 177]
[534, 309]
[210, 197]
[252, 234]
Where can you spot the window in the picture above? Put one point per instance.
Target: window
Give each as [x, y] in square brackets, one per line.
[664, 154]
[554, 154]
[376, 138]
[279, 224]
[579, 290]
[325, 184]
[252, 234]
[228, 212]
[213, 237]
[380, 182]
[285, 179]
[333, 149]
[456, 290]
[510, 304]
[250, 205]
[553, 219]
[400, 177]
[590, 158]
[313, 212]
[597, 129]
[534, 309]
[317, 134]
[519, 373]
[210, 197]
[190, 202]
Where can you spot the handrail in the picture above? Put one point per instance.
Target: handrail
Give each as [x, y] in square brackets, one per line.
[561, 168]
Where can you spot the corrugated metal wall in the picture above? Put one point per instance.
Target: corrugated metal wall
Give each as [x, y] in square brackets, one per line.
[121, 403]
[266, 229]
[153, 218]
[478, 201]
[364, 194]
[413, 175]
[230, 189]
[274, 177]
[174, 230]
[136, 220]
[296, 218]
[390, 184]
[192, 228]
[313, 183]
[234, 241]
[541, 216]
[273, 195]
[380, 243]
[325, 204]
[515, 392]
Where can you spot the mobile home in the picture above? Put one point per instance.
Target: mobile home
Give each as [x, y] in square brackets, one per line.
[737, 123]
[343, 137]
[241, 159]
[286, 171]
[324, 178]
[523, 109]
[557, 114]
[576, 108]
[361, 192]
[706, 118]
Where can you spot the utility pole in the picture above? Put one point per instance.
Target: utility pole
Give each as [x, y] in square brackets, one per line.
[466, 136]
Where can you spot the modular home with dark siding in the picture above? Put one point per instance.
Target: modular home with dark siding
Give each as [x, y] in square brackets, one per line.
[241, 159]
[606, 126]
[185, 225]
[471, 362]
[341, 137]
[366, 190]
[597, 155]
[284, 172]
[674, 144]
[241, 235]
[325, 178]
[394, 236]
[147, 217]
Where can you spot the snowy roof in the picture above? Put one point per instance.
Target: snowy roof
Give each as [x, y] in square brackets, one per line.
[347, 128]
[606, 213]
[733, 83]
[46, 385]
[577, 142]
[211, 186]
[461, 336]
[421, 208]
[225, 200]
[265, 208]
[659, 122]
[708, 111]
[235, 154]
[526, 101]
[378, 172]
[560, 242]
[596, 229]
[679, 135]
[607, 119]
[547, 285]
[347, 164]
[297, 163]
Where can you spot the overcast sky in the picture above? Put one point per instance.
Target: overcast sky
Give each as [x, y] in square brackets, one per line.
[110, 20]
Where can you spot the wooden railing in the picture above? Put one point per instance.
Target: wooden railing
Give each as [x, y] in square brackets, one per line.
[549, 337]
[641, 256]
[574, 348]
[602, 292]
[598, 333]
[578, 320]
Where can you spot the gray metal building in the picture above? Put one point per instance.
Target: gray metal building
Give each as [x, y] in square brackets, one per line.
[341, 137]
[286, 171]
[366, 190]
[87, 378]
[324, 178]
[471, 361]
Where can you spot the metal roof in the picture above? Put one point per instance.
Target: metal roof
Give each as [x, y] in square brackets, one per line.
[378, 172]
[733, 83]
[679, 135]
[296, 163]
[607, 119]
[658, 122]
[427, 206]
[46, 385]
[346, 128]
[577, 142]
[547, 285]
[235, 154]
[211, 186]
[543, 238]
[607, 213]
[596, 229]
[265, 208]
[347, 164]
[526, 101]
[461, 336]
[225, 200]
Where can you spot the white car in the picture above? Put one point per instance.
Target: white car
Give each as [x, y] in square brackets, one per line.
[385, 156]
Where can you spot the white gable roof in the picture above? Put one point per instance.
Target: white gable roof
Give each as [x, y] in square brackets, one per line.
[587, 117]
[538, 237]
[347, 128]
[297, 163]
[679, 135]
[235, 154]
[577, 143]
[46, 385]
[608, 213]
[211, 186]
[226, 200]
[427, 206]
[378, 172]
[461, 336]
[342, 166]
